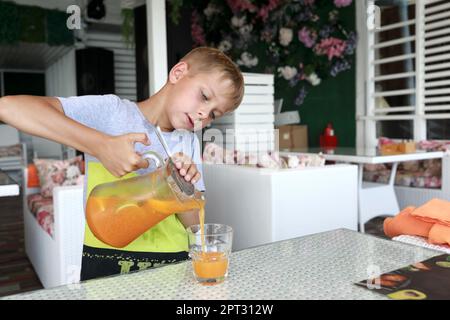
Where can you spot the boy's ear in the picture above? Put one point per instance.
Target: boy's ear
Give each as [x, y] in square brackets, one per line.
[178, 71]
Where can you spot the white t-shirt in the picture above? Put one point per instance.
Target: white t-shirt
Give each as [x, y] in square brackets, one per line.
[115, 116]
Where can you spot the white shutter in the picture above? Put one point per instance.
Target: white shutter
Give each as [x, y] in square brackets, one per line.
[250, 127]
[124, 61]
[437, 57]
[425, 54]
[379, 74]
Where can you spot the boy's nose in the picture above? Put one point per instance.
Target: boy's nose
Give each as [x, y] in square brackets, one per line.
[202, 115]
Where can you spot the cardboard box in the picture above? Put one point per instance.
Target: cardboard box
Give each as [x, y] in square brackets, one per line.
[292, 136]
[398, 148]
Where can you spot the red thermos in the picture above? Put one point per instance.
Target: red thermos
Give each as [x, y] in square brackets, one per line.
[328, 139]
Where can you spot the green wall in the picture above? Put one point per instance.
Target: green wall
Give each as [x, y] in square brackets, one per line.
[334, 100]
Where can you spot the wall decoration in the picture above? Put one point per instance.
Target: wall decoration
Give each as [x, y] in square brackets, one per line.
[302, 42]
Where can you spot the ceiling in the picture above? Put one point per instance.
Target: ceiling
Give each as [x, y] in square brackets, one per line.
[30, 56]
[38, 56]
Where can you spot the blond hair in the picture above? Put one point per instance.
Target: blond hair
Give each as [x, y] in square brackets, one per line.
[206, 59]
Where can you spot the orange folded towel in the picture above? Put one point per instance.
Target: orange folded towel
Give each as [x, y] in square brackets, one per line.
[434, 211]
[405, 223]
[439, 234]
[432, 221]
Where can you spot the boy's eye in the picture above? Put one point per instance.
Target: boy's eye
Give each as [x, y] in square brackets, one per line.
[204, 97]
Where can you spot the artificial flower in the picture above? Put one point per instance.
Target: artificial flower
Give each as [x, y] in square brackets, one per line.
[238, 21]
[241, 5]
[313, 78]
[342, 3]
[246, 30]
[333, 16]
[352, 41]
[331, 47]
[224, 45]
[307, 36]
[339, 66]
[247, 60]
[285, 36]
[300, 97]
[287, 72]
[197, 32]
[267, 28]
[211, 10]
[264, 11]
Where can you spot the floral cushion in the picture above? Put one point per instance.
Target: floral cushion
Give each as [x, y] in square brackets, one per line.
[54, 173]
[42, 209]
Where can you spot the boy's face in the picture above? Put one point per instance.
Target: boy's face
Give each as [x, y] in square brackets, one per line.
[195, 101]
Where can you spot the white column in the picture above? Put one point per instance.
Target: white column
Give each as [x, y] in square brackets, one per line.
[157, 44]
[60, 77]
[60, 81]
[360, 70]
[420, 124]
[370, 124]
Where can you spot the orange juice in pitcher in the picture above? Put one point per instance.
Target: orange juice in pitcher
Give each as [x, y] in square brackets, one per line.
[119, 212]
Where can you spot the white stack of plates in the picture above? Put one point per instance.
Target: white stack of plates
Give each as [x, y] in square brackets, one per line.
[251, 126]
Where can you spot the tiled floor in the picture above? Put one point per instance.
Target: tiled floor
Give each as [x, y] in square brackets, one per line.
[16, 272]
[375, 227]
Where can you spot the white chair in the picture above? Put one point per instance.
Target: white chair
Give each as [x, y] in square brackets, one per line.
[57, 259]
[409, 196]
[12, 165]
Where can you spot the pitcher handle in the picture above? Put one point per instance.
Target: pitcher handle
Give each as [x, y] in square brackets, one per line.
[156, 157]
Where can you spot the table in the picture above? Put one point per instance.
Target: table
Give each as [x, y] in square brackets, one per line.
[374, 199]
[8, 187]
[319, 266]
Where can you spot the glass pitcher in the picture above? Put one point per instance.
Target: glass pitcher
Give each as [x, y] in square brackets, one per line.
[119, 212]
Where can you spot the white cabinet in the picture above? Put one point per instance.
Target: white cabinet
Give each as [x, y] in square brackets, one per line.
[264, 205]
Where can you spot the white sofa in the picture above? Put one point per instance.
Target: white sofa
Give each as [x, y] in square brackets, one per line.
[409, 196]
[57, 260]
[265, 205]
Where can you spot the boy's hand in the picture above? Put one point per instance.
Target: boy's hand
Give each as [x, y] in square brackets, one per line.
[186, 167]
[117, 153]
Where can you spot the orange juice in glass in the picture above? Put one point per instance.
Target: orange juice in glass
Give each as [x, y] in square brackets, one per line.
[209, 251]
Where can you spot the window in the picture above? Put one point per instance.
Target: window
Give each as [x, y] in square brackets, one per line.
[438, 129]
[407, 76]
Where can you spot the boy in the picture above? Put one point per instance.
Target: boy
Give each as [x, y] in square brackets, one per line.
[113, 133]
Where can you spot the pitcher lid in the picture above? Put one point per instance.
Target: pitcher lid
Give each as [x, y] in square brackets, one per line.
[180, 184]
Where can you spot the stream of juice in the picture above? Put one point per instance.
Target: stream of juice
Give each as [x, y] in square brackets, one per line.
[208, 265]
[202, 225]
